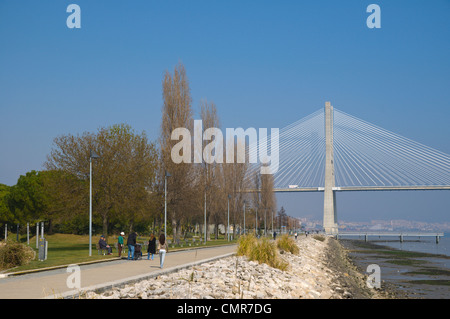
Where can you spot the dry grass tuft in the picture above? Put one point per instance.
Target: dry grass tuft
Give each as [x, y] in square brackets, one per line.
[261, 250]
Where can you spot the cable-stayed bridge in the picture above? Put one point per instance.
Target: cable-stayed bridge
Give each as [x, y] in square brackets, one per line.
[330, 151]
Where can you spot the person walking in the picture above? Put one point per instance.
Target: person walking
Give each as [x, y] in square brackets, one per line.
[151, 246]
[162, 249]
[120, 243]
[131, 242]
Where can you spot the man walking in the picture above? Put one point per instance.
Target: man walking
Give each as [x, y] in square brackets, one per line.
[131, 242]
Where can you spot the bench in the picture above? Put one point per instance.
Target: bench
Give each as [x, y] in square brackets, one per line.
[103, 251]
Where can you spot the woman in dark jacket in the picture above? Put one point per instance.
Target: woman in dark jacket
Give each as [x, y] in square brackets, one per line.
[151, 246]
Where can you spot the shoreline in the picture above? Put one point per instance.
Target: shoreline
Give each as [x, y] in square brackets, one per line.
[352, 276]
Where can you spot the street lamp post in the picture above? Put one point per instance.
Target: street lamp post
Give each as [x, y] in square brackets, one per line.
[92, 155]
[272, 224]
[228, 223]
[256, 222]
[244, 217]
[166, 174]
[265, 221]
[205, 213]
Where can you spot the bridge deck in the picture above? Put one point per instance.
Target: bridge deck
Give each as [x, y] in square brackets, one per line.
[361, 188]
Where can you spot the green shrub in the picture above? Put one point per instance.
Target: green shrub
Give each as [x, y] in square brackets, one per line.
[288, 244]
[14, 254]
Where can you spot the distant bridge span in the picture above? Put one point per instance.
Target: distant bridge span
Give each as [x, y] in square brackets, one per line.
[360, 188]
[330, 151]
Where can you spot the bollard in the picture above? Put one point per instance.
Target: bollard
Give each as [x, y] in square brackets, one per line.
[42, 249]
[37, 235]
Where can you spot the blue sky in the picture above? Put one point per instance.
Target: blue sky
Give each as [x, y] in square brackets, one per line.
[264, 64]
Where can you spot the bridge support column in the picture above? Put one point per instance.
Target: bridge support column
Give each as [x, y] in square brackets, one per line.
[329, 208]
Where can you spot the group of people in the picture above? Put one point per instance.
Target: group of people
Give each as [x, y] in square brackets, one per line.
[152, 248]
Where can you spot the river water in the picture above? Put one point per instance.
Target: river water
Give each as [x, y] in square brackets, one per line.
[415, 268]
[424, 245]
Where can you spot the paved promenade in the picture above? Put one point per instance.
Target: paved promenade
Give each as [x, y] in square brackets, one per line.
[102, 276]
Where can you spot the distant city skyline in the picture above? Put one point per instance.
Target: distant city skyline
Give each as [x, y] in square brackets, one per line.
[264, 65]
[381, 225]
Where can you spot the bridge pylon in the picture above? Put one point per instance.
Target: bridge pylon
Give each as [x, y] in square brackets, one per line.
[329, 208]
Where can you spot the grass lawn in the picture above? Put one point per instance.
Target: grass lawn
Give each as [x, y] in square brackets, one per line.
[65, 249]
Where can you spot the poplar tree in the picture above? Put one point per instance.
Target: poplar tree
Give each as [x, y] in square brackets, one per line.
[182, 190]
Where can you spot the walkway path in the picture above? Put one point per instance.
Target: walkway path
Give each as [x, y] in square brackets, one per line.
[101, 276]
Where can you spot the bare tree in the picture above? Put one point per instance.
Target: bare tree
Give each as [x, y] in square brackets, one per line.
[235, 185]
[267, 198]
[177, 113]
[210, 167]
[257, 205]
